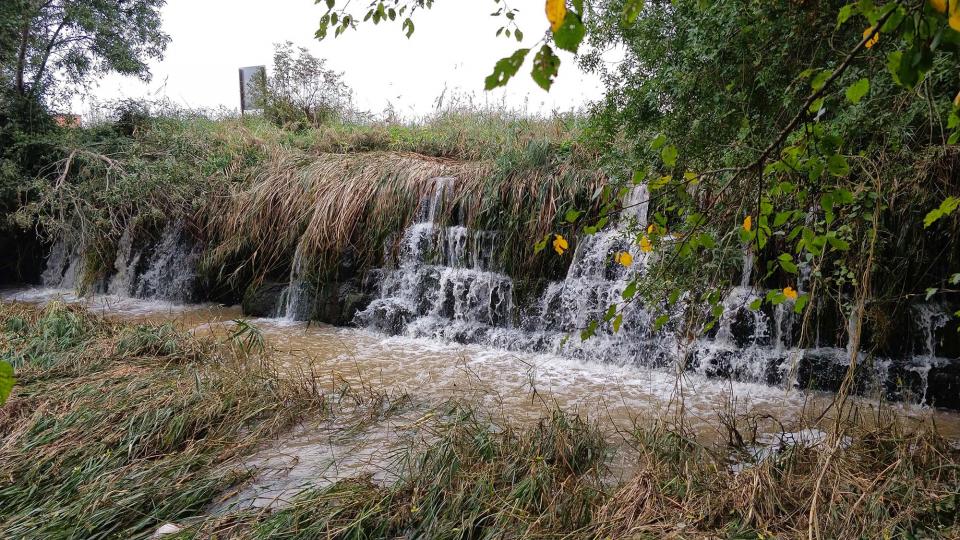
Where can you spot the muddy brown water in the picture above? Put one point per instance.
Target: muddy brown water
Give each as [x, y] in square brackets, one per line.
[520, 387]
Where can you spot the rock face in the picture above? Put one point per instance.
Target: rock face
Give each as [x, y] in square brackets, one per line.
[262, 300]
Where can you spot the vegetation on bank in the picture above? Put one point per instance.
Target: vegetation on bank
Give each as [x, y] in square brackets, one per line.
[254, 193]
[118, 428]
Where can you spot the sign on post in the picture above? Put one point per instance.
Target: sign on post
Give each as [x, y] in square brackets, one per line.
[251, 80]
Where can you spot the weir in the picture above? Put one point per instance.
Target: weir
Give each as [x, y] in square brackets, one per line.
[445, 284]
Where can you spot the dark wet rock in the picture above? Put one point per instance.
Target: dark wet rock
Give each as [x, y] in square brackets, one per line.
[943, 385]
[338, 303]
[263, 300]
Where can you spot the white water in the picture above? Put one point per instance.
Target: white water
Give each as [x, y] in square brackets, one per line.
[446, 286]
[164, 269]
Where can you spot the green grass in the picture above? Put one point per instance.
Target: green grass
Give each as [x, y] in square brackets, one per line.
[253, 192]
[114, 429]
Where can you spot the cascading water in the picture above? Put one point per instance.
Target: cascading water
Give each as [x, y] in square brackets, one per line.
[447, 285]
[161, 270]
[295, 301]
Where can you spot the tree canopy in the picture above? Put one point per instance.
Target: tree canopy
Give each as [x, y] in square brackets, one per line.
[49, 46]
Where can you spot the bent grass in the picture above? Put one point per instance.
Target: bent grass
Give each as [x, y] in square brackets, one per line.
[115, 429]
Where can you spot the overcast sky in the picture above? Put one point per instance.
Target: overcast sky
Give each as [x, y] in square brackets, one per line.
[453, 47]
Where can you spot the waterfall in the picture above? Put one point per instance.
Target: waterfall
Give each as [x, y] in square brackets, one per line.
[63, 264]
[296, 300]
[445, 285]
[636, 204]
[930, 319]
[164, 269]
[747, 270]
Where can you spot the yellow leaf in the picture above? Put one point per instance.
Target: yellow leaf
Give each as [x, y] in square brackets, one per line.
[624, 258]
[872, 41]
[954, 18]
[652, 228]
[645, 245]
[789, 292]
[747, 223]
[956, 101]
[560, 244]
[556, 11]
[941, 5]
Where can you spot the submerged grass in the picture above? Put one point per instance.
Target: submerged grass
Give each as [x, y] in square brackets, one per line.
[114, 429]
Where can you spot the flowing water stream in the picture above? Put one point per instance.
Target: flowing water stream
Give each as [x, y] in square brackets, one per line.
[516, 385]
[443, 325]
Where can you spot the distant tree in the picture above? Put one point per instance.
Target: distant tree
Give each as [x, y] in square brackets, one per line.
[48, 47]
[302, 90]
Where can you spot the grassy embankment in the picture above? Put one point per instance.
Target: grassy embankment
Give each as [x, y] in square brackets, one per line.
[115, 429]
[253, 193]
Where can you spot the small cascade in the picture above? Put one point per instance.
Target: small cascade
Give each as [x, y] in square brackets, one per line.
[636, 205]
[171, 270]
[126, 265]
[296, 300]
[160, 270]
[63, 266]
[930, 319]
[446, 284]
[747, 271]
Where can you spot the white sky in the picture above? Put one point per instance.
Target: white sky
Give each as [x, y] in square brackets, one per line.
[453, 47]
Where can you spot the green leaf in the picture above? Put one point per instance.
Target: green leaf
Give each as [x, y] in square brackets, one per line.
[408, 26]
[946, 208]
[539, 246]
[930, 292]
[857, 90]
[820, 79]
[660, 321]
[669, 155]
[800, 303]
[617, 321]
[570, 33]
[505, 68]
[631, 10]
[589, 331]
[755, 305]
[845, 13]
[545, 67]
[630, 291]
[572, 215]
[6, 381]
[789, 266]
[781, 218]
[838, 243]
[658, 142]
[837, 165]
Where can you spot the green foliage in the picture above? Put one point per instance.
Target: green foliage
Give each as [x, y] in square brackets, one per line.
[63, 43]
[6, 381]
[301, 91]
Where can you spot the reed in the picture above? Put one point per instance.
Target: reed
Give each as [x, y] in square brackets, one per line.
[114, 429]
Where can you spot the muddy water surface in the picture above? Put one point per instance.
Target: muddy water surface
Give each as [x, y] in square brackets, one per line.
[520, 387]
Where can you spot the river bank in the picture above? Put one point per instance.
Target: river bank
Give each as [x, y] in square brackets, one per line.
[125, 426]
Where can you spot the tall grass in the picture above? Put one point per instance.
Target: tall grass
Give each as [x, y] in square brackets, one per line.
[114, 429]
[253, 192]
